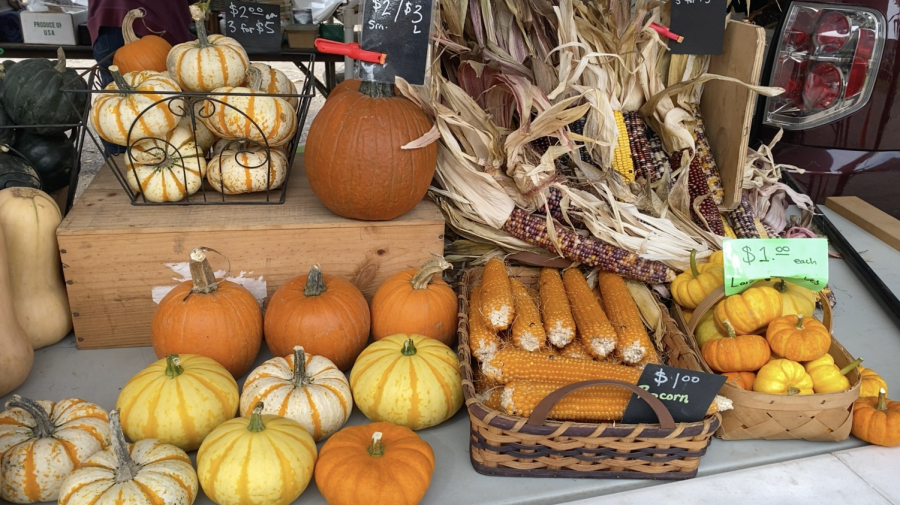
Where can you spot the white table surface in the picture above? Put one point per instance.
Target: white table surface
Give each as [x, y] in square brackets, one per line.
[61, 371]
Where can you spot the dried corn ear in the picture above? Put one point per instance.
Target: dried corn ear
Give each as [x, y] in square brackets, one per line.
[585, 249]
[590, 405]
[483, 341]
[510, 364]
[555, 310]
[744, 221]
[707, 162]
[492, 398]
[701, 203]
[593, 327]
[497, 305]
[527, 329]
[660, 158]
[622, 163]
[645, 166]
[633, 343]
[575, 350]
[729, 231]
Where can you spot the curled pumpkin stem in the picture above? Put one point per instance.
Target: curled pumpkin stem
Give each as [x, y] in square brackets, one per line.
[43, 424]
[425, 275]
[694, 271]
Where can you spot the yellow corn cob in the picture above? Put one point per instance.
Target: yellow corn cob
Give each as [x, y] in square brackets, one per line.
[575, 350]
[594, 329]
[527, 330]
[497, 304]
[557, 315]
[483, 342]
[491, 398]
[622, 162]
[591, 405]
[650, 357]
[510, 364]
[633, 342]
[729, 231]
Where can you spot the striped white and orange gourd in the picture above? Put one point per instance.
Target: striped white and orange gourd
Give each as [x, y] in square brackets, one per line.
[166, 169]
[250, 114]
[555, 309]
[308, 389]
[594, 329]
[410, 380]
[178, 400]
[146, 472]
[43, 442]
[210, 62]
[497, 304]
[633, 343]
[120, 118]
[260, 459]
[241, 168]
[275, 82]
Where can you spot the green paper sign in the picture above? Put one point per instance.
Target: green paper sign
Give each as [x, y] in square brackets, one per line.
[802, 261]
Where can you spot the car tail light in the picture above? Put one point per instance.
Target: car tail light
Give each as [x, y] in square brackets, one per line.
[827, 57]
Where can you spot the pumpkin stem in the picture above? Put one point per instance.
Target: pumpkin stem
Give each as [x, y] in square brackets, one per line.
[882, 400]
[781, 286]
[799, 324]
[851, 366]
[301, 377]
[315, 283]
[173, 366]
[120, 81]
[199, 11]
[256, 425]
[60, 61]
[792, 390]
[425, 275]
[127, 470]
[729, 329]
[376, 89]
[201, 273]
[694, 270]
[43, 426]
[377, 448]
[409, 348]
[128, 25]
[254, 79]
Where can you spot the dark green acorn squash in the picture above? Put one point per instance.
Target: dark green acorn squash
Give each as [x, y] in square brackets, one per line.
[7, 135]
[33, 96]
[15, 171]
[4, 68]
[52, 157]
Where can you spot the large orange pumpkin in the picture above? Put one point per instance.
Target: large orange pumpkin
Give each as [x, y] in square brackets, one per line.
[140, 53]
[219, 320]
[325, 315]
[354, 160]
[736, 353]
[416, 302]
[389, 465]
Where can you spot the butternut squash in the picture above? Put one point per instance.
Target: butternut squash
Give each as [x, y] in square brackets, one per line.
[29, 218]
[18, 355]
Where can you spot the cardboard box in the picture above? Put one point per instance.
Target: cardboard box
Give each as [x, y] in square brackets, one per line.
[114, 253]
[53, 27]
[302, 36]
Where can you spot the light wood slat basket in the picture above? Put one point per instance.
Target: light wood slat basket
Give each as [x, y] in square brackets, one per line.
[506, 445]
[819, 418]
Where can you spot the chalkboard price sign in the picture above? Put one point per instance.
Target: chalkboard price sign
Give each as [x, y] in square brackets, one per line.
[256, 26]
[400, 29]
[701, 23]
[686, 393]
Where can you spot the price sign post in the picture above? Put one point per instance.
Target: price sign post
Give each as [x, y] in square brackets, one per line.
[701, 23]
[401, 30]
[802, 261]
[256, 26]
[686, 393]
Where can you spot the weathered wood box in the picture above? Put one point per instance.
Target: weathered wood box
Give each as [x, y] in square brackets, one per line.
[114, 253]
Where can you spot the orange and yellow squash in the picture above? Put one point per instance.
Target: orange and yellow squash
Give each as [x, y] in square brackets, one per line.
[798, 338]
[736, 353]
[743, 380]
[827, 376]
[872, 383]
[795, 299]
[693, 285]
[750, 310]
[876, 420]
[783, 377]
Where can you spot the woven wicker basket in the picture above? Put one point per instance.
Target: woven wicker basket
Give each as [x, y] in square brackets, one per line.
[513, 446]
[818, 418]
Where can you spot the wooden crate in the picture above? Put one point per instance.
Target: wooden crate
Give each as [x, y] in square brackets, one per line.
[114, 253]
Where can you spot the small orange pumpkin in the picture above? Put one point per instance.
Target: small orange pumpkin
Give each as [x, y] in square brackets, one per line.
[416, 302]
[876, 420]
[798, 338]
[733, 353]
[743, 380]
[749, 311]
[389, 464]
[140, 53]
[219, 320]
[325, 315]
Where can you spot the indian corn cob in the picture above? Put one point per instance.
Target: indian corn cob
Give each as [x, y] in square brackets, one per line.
[593, 327]
[554, 200]
[698, 187]
[585, 249]
[622, 162]
[510, 364]
[527, 330]
[483, 341]
[660, 158]
[744, 221]
[575, 350]
[555, 310]
[707, 163]
[577, 127]
[497, 306]
[633, 342]
[645, 166]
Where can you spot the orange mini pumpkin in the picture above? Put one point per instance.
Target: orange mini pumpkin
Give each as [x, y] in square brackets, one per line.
[140, 53]
[416, 302]
[219, 320]
[743, 380]
[750, 310]
[325, 315]
[389, 465]
[736, 353]
[876, 420]
[798, 338]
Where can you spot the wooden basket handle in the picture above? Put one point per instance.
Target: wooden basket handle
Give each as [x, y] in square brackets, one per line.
[719, 293]
[539, 414]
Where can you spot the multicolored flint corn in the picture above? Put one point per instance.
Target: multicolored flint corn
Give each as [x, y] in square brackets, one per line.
[697, 188]
[744, 221]
[645, 165]
[660, 158]
[707, 163]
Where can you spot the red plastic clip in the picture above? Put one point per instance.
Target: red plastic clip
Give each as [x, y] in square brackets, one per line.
[666, 33]
[351, 49]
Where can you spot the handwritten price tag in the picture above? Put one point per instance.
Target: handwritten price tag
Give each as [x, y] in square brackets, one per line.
[256, 26]
[400, 29]
[802, 261]
[686, 393]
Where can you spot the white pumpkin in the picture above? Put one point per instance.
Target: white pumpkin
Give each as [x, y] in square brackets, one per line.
[308, 389]
[242, 168]
[210, 62]
[43, 442]
[166, 170]
[202, 136]
[275, 81]
[114, 115]
[148, 472]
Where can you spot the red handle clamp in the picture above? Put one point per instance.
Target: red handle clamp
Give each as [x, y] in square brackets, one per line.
[352, 50]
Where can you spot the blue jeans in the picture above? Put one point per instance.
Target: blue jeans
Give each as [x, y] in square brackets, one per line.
[109, 39]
